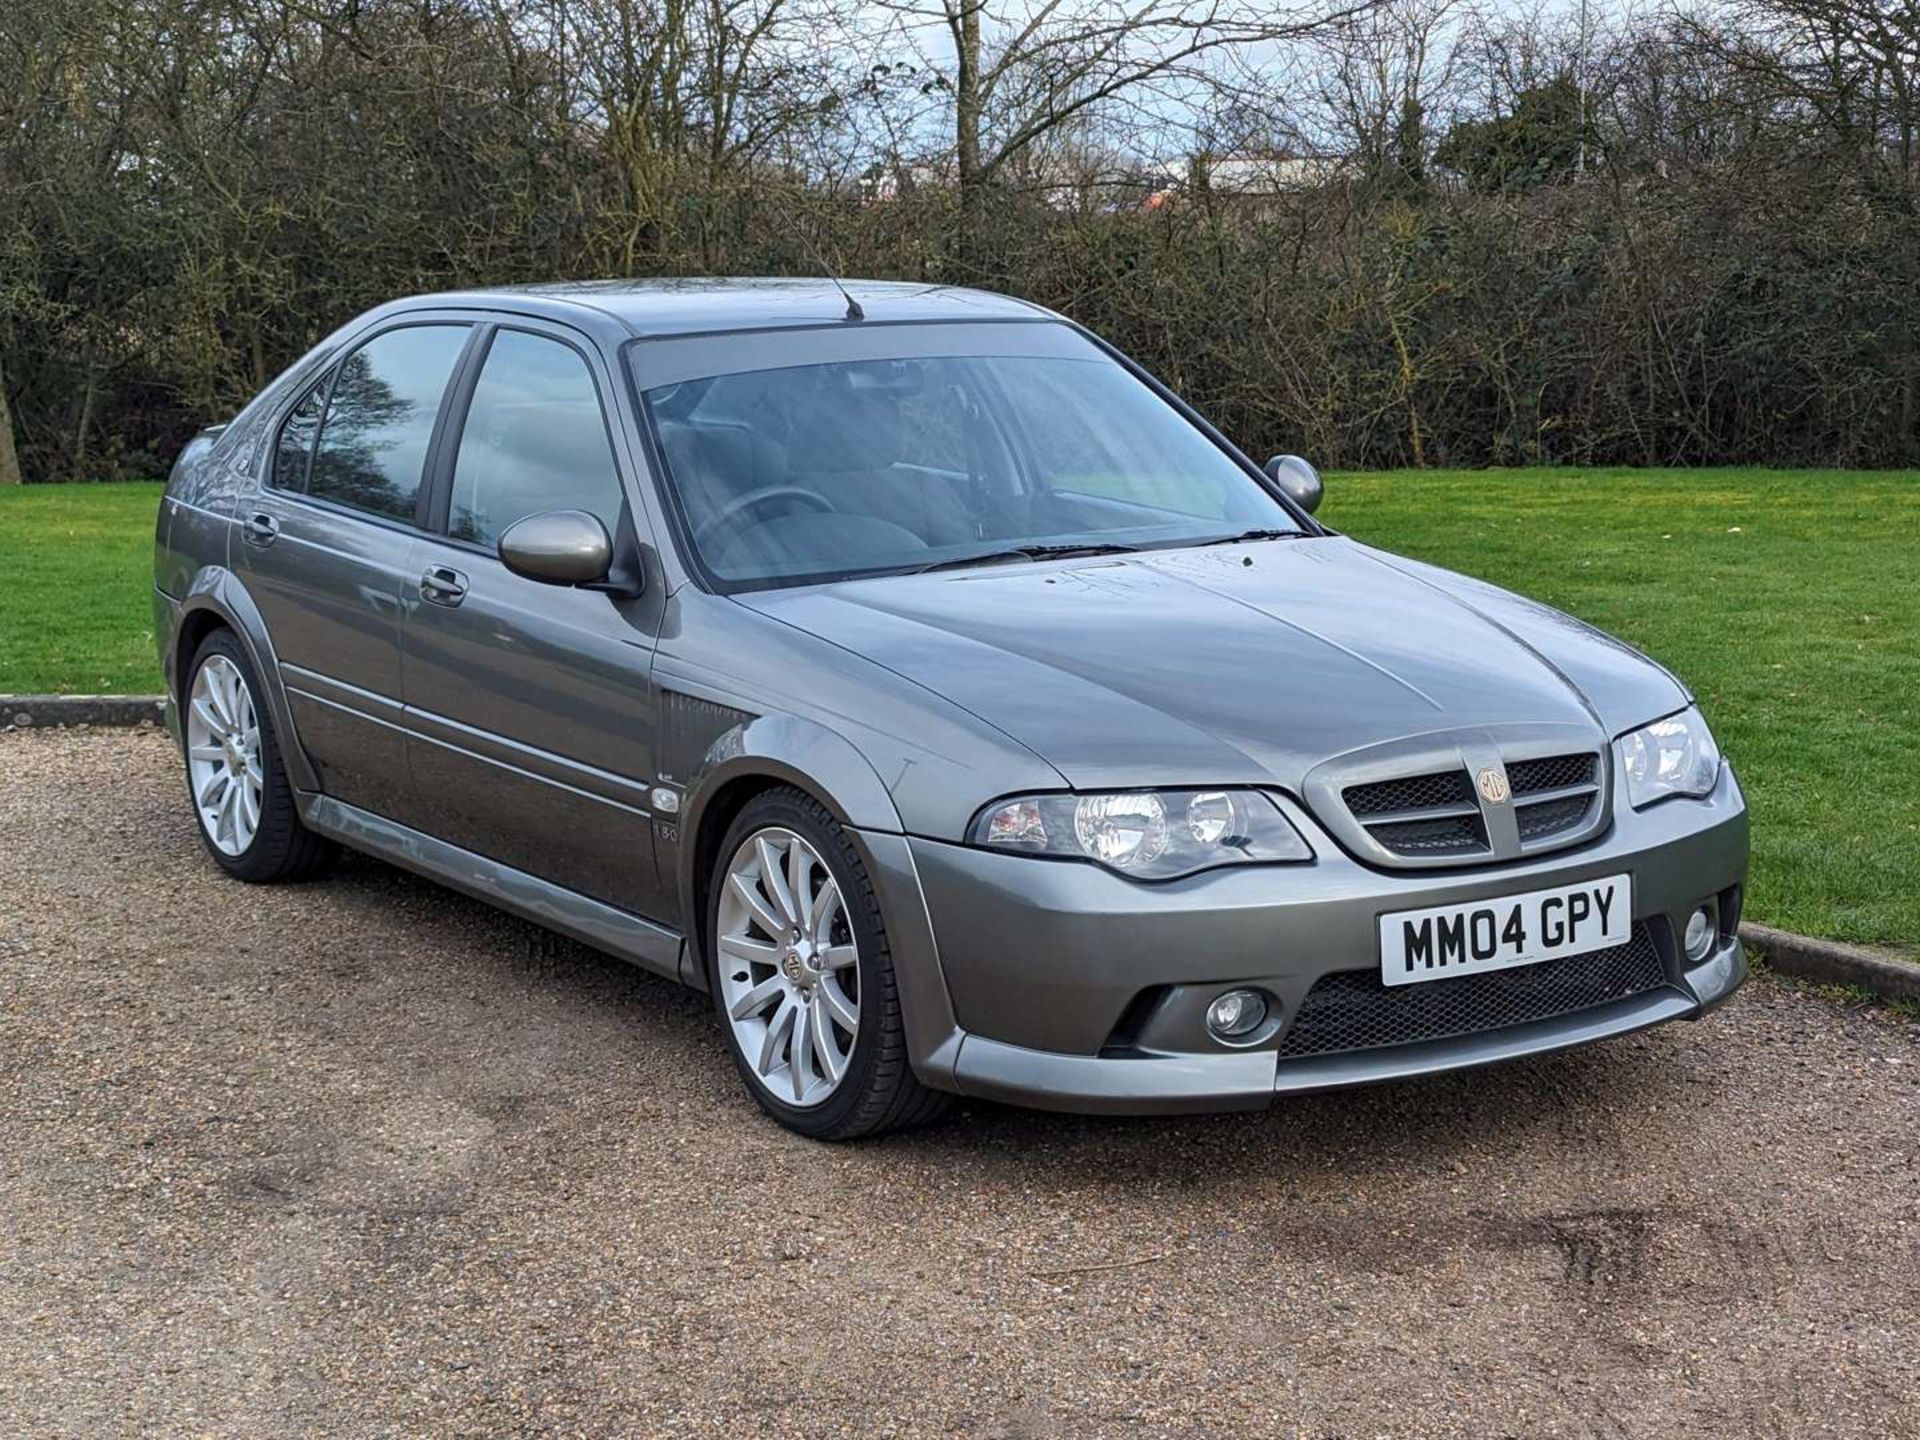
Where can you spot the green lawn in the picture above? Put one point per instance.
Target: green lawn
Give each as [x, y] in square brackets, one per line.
[76, 586]
[1789, 600]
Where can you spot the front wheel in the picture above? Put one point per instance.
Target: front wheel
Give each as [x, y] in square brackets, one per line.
[803, 979]
[235, 779]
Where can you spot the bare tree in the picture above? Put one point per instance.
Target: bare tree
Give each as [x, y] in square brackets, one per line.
[1852, 64]
[1022, 69]
[1383, 68]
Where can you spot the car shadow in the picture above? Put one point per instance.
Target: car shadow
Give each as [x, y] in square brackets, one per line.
[1386, 1127]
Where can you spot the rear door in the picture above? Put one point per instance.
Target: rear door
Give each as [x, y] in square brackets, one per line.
[325, 545]
[531, 706]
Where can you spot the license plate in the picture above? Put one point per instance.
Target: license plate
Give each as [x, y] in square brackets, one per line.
[1499, 934]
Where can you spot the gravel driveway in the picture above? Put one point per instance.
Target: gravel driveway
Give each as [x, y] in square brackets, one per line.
[364, 1158]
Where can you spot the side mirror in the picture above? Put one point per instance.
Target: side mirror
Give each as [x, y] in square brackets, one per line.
[1299, 479]
[558, 547]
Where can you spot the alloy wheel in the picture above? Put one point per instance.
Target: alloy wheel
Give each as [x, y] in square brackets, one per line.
[788, 967]
[223, 755]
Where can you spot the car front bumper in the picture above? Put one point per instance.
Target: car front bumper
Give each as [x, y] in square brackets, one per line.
[1062, 985]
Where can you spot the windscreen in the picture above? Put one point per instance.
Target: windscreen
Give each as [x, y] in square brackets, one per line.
[875, 465]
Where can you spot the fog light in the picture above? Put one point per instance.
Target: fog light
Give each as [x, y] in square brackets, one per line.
[1237, 1014]
[1699, 935]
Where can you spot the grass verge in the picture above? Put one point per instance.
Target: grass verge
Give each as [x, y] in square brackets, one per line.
[76, 581]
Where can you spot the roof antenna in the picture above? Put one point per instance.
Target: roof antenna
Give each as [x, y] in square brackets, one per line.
[854, 312]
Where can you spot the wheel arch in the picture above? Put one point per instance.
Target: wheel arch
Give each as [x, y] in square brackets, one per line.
[196, 624]
[217, 600]
[768, 752]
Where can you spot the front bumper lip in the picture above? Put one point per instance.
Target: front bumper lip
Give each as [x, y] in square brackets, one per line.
[1250, 1080]
[1064, 986]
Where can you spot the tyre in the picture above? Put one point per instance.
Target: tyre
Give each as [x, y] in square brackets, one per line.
[802, 977]
[236, 781]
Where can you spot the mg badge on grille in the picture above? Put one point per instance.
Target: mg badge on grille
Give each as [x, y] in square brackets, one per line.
[1493, 786]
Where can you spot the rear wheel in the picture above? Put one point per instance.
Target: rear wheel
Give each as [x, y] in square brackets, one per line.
[235, 778]
[803, 979]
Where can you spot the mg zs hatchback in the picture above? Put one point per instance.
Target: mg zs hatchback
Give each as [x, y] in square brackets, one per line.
[916, 676]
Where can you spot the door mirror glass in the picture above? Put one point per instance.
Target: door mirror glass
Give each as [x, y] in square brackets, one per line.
[558, 547]
[1299, 479]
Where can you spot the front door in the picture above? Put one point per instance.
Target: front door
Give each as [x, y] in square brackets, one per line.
[324, 548]
[530, 706]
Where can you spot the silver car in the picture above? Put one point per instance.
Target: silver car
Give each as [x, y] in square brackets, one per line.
[912, 673]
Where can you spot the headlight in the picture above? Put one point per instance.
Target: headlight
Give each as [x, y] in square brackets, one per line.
[1148, 834]
[1674, 756]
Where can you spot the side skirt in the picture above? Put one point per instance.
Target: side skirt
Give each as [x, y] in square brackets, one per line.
[640, 942]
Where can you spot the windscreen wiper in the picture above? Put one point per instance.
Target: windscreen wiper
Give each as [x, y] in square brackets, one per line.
[1255, 535]
[1025, 552]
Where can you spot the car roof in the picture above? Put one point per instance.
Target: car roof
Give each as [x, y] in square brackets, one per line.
[692, 306]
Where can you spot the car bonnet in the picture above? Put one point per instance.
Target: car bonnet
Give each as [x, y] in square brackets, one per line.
[1234, 664]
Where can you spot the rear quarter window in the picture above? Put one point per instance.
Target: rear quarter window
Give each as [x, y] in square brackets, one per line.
[293, 447]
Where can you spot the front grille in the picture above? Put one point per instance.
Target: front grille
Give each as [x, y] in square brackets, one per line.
[1548, 777]
[1427, 816]
[1448, 835]
[1550, 817]
[1556, 772]
[1436, 817]
[1410, 792]
[1352, 1010]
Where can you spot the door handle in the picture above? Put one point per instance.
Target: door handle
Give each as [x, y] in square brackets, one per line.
[443, 585]
[260, 529]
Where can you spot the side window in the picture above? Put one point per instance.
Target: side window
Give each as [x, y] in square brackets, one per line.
[373, 442]
[295, 445]
[534, 440]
